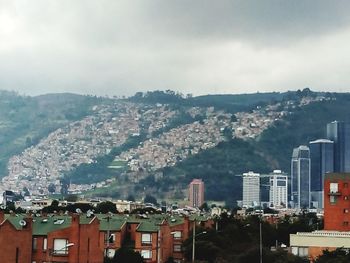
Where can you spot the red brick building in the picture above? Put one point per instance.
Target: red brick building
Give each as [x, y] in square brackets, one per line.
[337, 202]
[82, 239]
[69, 239]
[15, 239]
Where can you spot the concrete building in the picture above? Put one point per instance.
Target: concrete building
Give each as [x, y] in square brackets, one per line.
[196, 193]
[300, 181]
[278, 196]
[322, 162]
[251, 189]
[339, 133]
[312, 244]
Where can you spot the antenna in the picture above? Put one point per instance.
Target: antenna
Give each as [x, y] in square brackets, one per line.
[22, 223]
[78, 210]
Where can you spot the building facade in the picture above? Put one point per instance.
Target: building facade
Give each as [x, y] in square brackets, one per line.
[336, 233]
[278, 196]
[196, 193]
[322, 162]
[251, 189]
[300, 178]
[339, 133]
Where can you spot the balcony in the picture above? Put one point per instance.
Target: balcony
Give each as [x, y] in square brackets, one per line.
[334, 193]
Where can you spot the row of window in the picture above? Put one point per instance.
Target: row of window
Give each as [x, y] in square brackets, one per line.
[60, 245]
[146, 238]
[147, 254]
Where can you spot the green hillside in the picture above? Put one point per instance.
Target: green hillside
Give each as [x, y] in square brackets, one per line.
[272, 150]
[25, 120]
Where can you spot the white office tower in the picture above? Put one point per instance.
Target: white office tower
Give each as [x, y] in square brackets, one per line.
[251, 189]
[278, 189]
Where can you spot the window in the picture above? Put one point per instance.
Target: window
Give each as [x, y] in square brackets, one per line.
[345, 223]
[146, 254]
[345, 185]
[303, 251]
[346, 211]
[332, 199]
[60, 246]
[333, 187]
[177, 234]
[110, 239]
[35, 243]
[45, 243]
[177, 248]
[346, 197]
[146, 239]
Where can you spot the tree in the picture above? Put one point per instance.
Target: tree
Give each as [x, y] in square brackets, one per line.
[130, 198]
[51, 188]
[150, 199]
[337, 256]
[105, 207]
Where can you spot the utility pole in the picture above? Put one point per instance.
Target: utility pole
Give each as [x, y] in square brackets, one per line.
[194, 241]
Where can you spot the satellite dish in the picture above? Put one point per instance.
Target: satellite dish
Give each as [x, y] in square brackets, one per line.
[22, 223]
[34, 211]
[89, 213]
[78, 210]
[3, 207]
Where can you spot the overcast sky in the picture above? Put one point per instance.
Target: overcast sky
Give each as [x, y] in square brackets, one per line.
[120, 47]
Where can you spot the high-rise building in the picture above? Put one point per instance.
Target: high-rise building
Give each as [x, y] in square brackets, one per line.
[196, 193]
[251, 189]
[322, 162]
[300, 181]
[278, 189]
[339, 133]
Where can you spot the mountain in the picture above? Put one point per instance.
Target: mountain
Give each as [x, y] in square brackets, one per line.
[167, 139]
[24, 120]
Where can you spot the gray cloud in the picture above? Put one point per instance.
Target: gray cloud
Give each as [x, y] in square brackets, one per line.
[120, 47]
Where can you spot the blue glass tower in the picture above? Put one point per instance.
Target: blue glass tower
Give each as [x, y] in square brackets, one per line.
[339, 133]
[322, 162]
[300, 172]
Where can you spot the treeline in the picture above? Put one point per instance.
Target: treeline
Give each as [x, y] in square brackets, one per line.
[237, 240]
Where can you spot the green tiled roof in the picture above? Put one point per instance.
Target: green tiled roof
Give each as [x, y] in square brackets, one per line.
[14, 220]
[44, 225]
[114, 222]
[148, 226]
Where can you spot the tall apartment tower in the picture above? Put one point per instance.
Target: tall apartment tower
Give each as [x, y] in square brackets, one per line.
[339, 133]
[278, 189]
[322, 162]
[251, 189]
[300, 181]
[196, 193]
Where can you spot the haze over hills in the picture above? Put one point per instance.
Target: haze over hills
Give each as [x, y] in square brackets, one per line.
[156, 142]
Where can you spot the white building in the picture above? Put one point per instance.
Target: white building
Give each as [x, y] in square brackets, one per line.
[251, 189]
[278, 189]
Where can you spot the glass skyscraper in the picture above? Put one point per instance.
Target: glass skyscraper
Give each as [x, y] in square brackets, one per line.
[300, 173]
[339, 133]
[322, 162]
